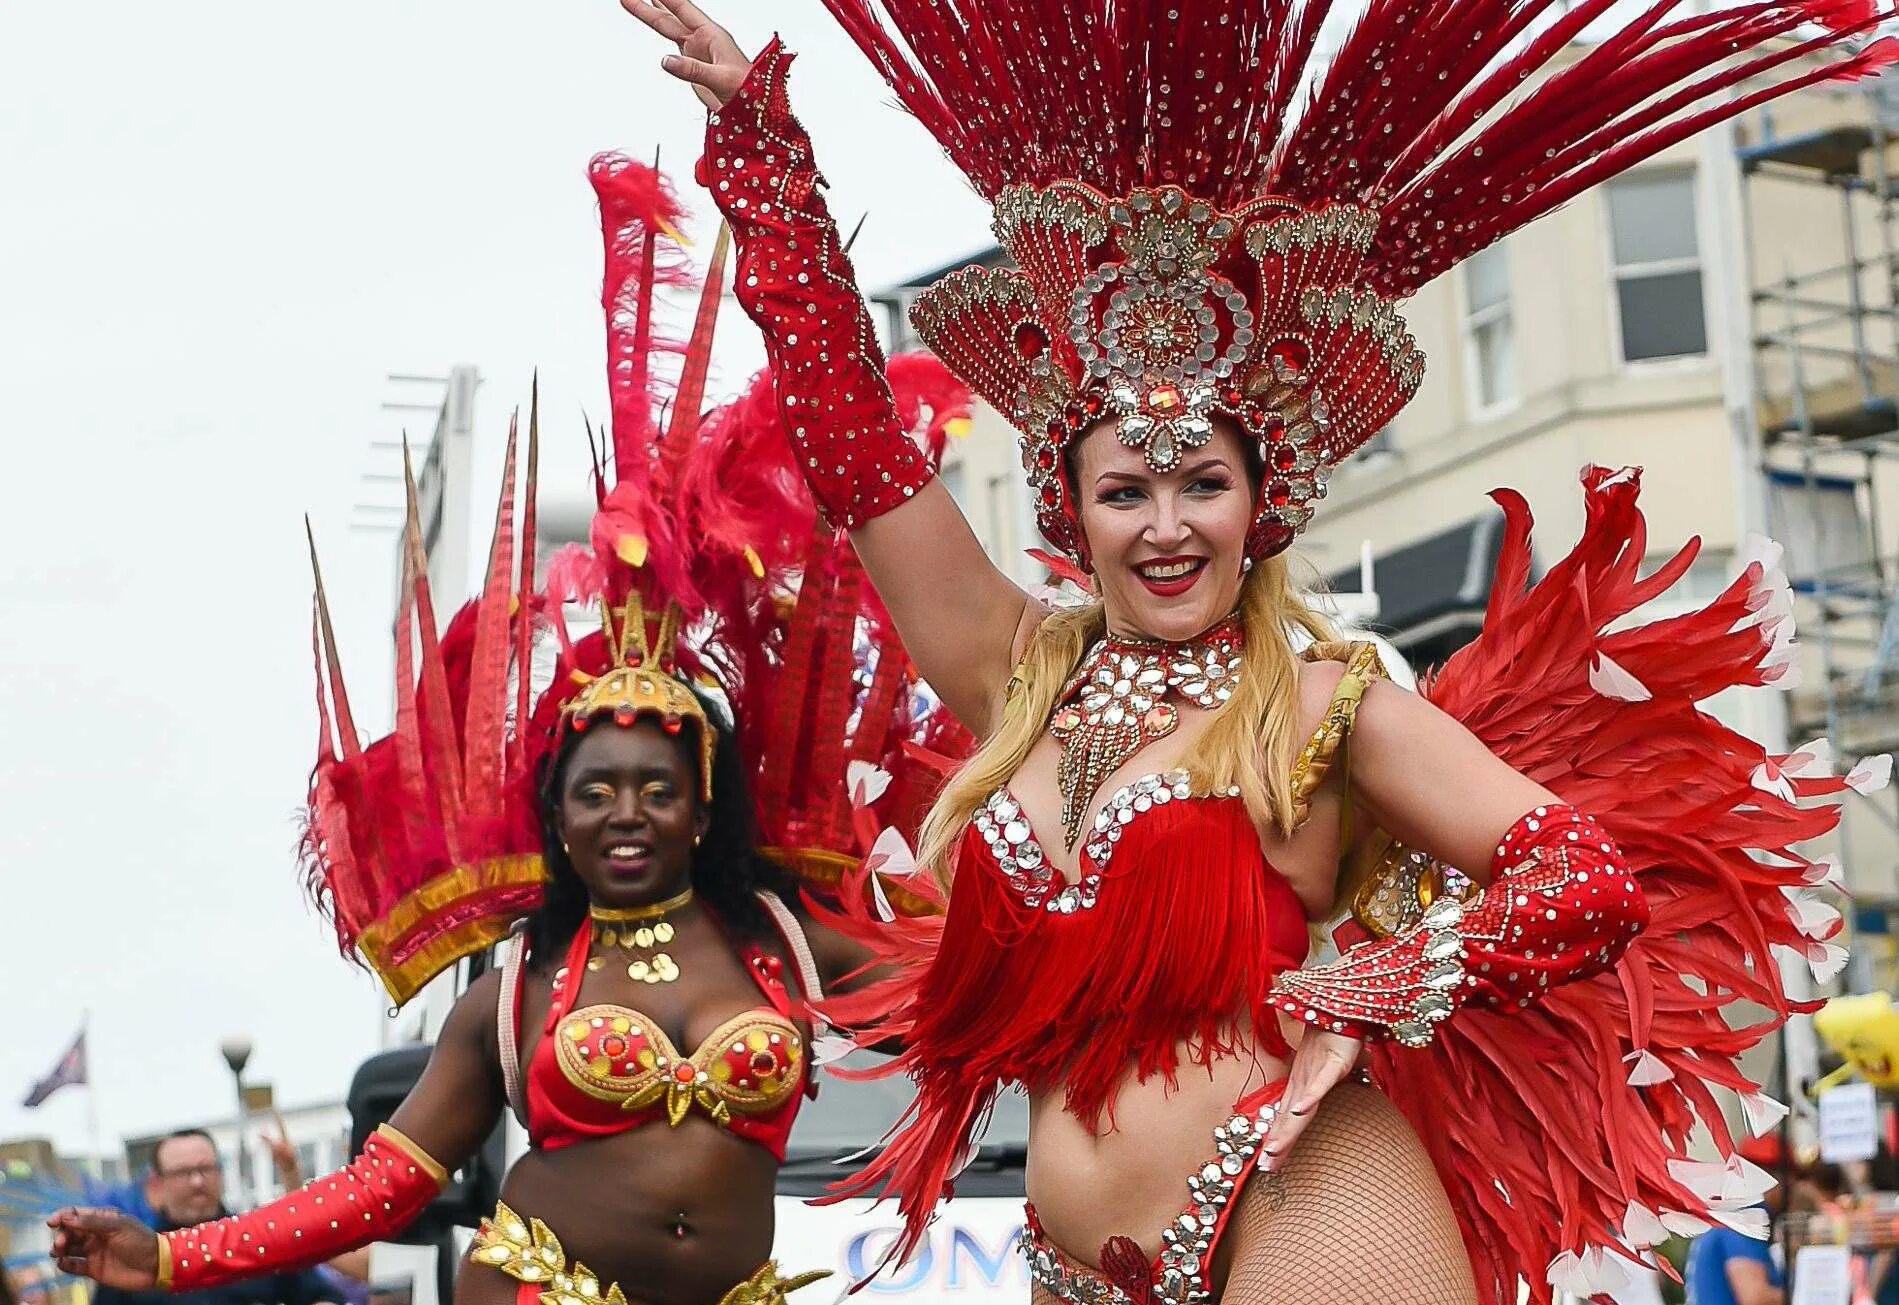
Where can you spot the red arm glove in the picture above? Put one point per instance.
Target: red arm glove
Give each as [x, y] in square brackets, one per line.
[796, 283]
[376, 1195]
[1561, 905]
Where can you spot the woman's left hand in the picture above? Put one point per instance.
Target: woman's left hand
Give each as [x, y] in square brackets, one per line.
[1321, 1062]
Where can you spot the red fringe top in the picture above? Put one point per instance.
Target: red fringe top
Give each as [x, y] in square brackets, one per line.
[1038, 987]
[1174, 935]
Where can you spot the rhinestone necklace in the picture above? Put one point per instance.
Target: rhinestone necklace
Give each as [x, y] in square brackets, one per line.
[1116, 703]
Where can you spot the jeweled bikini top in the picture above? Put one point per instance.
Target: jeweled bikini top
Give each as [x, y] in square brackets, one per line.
[1171, 885]
[604, 1069]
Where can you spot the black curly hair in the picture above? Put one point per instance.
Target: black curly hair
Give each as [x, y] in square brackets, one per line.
[727, 868]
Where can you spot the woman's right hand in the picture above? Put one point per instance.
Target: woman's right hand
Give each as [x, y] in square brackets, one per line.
[709, 60]
[108, 1246]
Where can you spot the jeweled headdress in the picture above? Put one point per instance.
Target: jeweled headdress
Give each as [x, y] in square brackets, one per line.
[642, 681]
[1209, 216]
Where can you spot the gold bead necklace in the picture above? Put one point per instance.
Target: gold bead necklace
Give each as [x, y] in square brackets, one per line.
[639, 929]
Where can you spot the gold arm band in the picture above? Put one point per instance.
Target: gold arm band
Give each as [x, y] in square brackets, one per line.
[164, 1262]
[430, 1165]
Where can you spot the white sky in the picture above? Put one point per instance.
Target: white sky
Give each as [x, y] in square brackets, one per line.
[221, 224]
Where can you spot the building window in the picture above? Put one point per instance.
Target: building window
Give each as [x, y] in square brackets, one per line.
[1657, 266]
[1489, 334]
[890, 318]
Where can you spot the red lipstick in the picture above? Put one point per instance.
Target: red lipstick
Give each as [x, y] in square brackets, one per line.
[1171, 586]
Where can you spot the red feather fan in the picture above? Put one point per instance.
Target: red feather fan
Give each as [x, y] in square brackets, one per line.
[423, 845]
[1574, 1116]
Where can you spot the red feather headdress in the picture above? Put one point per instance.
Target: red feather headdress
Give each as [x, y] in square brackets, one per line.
[708, 562]
[1208, 216]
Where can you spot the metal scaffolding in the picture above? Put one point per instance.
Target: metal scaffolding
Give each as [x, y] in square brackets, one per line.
[1825, 374]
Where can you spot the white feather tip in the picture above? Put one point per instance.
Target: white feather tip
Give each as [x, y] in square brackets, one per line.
[1610, 680]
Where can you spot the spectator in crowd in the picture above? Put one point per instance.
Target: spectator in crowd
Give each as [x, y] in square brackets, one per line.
[1730, 1268]
[1726, 1267]
[186, 1187]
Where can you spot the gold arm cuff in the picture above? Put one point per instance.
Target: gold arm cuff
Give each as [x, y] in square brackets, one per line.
[164, 1262]
[407, 1145]
[1315, 760]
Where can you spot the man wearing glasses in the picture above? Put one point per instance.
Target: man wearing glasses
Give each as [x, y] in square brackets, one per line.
[186, 1187]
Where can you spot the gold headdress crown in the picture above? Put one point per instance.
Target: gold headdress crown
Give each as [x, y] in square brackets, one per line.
[642, 681]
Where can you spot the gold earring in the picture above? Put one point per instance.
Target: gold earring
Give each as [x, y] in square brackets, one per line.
[698, 839]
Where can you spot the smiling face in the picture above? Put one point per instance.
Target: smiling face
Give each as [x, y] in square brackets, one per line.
[1167, 547]
[629, 812]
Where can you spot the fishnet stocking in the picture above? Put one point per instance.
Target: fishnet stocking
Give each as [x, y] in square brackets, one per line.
[1356, 1217]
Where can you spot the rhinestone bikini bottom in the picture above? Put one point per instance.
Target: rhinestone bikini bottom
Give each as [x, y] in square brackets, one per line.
[1179, 1274]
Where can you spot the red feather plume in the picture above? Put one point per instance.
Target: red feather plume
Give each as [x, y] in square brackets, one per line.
[1574, 1117]
[1233, 99]
[423, 845]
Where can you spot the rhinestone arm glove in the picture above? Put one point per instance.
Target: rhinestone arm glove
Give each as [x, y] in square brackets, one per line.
[796, 283]
[378, 1193]
[1561, 905]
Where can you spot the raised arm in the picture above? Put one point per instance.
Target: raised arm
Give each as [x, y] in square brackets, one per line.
[959, 616]
[403, 1166]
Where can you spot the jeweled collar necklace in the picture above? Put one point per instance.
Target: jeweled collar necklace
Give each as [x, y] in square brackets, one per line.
[1116, 703]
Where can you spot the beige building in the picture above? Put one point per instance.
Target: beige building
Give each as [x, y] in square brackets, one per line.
[1695, 317]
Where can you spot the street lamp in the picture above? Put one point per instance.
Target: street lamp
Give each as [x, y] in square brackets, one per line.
[236, 1051]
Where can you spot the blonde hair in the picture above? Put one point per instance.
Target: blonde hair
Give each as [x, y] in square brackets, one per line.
[1250, 744]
